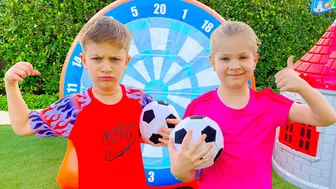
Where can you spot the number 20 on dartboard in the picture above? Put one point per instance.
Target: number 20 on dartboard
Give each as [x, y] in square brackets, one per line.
[161, 9]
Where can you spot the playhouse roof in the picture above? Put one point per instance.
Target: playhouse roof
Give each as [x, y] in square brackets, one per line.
[318, 66]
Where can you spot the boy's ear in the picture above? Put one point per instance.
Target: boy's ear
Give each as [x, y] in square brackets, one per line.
[128, 58]
[82, 57]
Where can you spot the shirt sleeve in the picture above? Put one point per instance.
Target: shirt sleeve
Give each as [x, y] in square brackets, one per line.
[57, 120]
[146, 99]
[190, 109]
[139, 95]
[187, 112]
[279, 106]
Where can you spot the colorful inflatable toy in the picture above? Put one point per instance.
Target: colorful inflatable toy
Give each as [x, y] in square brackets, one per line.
[170, 49]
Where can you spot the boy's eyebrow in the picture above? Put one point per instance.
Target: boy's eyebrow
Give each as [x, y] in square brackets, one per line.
[114, 56]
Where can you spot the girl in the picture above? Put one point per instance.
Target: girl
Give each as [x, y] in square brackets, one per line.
[248, 119]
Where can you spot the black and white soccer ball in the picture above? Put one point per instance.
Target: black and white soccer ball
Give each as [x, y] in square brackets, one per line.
[153, 117]
[200, 125]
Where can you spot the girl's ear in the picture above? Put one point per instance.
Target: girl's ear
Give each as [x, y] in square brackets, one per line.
[256, 58]
[212, 62]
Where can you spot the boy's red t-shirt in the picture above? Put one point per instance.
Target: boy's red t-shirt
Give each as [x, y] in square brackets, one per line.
[106, 137]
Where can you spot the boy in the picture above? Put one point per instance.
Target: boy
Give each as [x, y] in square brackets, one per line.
[103, 121]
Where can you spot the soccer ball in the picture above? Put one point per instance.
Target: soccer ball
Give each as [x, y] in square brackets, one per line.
[200, 125]
[153, 117]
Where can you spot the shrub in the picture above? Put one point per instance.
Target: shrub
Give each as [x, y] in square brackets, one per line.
[41, 32]
[33, 101]
[284, 27]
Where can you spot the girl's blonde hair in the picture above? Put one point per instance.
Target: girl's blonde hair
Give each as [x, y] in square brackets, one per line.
[231, 28]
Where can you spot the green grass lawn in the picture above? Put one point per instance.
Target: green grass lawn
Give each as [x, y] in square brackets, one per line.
[28, 162]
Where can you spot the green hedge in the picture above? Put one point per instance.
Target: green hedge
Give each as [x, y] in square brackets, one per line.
[284, 27]
[41, 32]
[33, 101]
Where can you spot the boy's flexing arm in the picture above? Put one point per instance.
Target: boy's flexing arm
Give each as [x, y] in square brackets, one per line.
[17, 108]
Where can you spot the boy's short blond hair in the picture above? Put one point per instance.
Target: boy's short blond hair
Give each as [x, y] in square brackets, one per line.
[231, 28]
[105, 29]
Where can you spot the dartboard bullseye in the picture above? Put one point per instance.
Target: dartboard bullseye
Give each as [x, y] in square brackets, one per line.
[170, 61]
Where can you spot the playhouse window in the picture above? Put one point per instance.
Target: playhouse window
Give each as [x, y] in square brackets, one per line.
[300, 137]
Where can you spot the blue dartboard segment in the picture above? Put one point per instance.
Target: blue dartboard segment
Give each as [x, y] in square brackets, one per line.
[169, 65]
[170, 50]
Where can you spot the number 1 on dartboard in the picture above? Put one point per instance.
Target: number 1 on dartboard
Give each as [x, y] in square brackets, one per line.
[184, 13]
